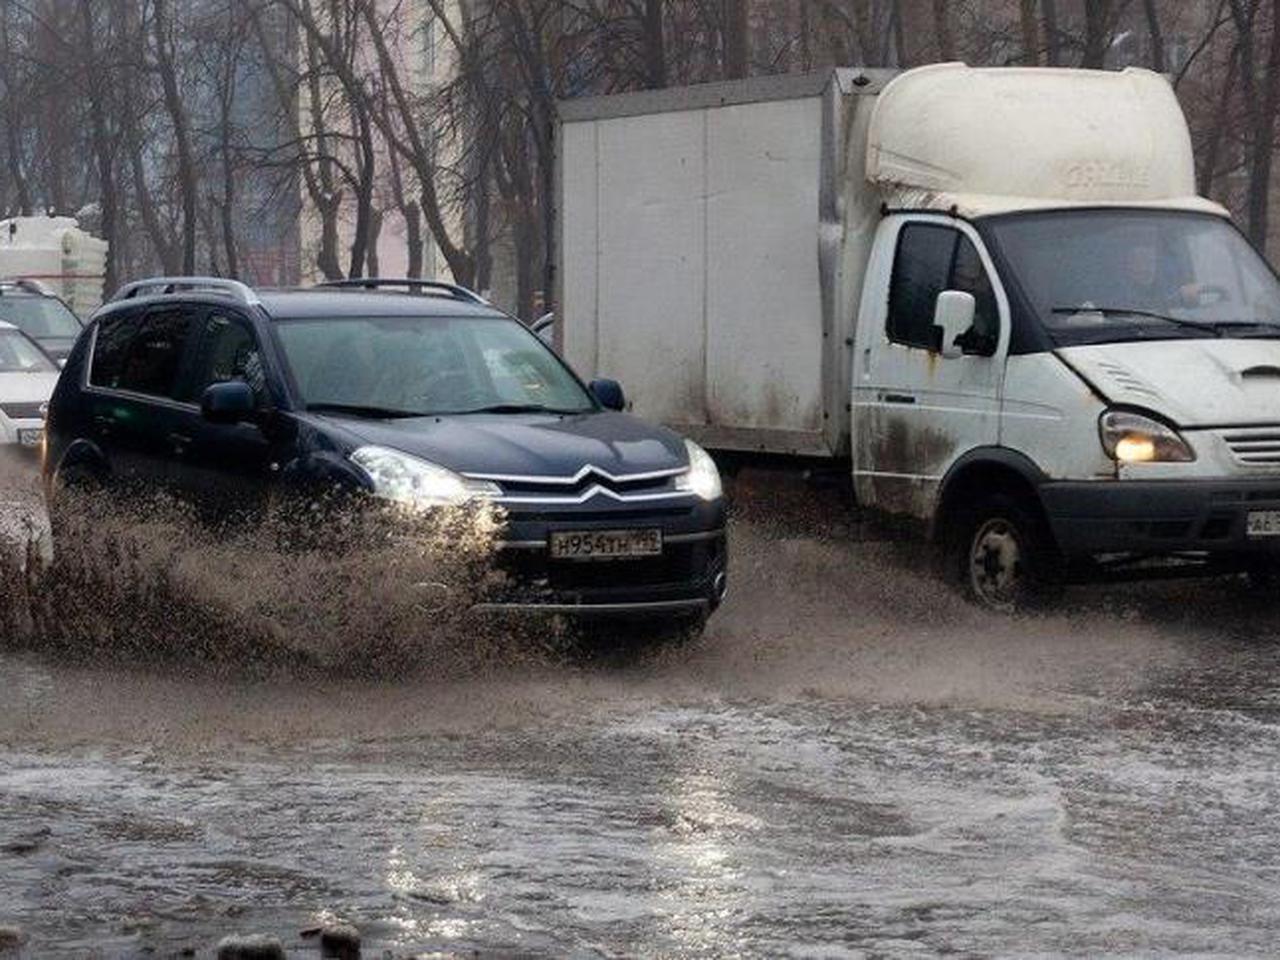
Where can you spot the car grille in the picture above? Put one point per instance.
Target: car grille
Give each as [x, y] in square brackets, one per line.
[1254, 446]
[22, 411]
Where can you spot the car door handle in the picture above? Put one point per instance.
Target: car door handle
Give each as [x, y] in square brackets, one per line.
[897, 398]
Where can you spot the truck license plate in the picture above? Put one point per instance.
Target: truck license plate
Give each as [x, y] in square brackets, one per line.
[1263, 523]
[29, 438]
[605, 544]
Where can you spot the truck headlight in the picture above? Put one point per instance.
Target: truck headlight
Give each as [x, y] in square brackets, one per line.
[1133, 438]
[703, 477]
[420, 483]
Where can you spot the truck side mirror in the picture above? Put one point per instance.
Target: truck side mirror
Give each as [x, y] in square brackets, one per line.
[952, 317]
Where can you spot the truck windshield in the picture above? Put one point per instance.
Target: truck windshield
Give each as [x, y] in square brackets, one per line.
[386, 367]
[1099, 276]
[39, 317]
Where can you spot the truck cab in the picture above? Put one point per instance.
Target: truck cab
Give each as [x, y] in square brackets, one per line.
[1067, 363]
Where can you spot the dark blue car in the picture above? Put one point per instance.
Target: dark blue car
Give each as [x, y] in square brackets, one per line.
[409, 390]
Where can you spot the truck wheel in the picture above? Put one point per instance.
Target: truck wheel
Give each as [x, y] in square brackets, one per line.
[1004, 554]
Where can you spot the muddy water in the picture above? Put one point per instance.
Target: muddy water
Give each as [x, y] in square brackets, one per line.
[851, 762]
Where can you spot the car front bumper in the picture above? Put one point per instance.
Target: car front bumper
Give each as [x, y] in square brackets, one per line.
[1159, 516]
[21, 432]
[690, 577]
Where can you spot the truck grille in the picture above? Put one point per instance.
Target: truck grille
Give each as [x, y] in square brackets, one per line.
[22, 411]
[1254, 446]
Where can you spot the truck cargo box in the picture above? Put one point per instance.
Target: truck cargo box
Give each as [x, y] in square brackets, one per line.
[704, 238]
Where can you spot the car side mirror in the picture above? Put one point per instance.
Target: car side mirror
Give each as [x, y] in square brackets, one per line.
[230, 402]
[609, 393]
[952, 317]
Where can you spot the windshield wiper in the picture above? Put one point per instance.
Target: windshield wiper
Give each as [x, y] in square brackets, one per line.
[1268, 325]
[362, 410]
[516, 408]
[1135, 312]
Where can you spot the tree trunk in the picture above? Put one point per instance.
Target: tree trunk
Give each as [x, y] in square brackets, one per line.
[734, 38]
[188, 181]
[1052, 39]
[1207, 168]
[898, 28]
[1097, 16]
[1030, 32]
[103, 147]
[655, 52]
[13, 117]
[1156, 36]
[942, 30]
[1262, 147]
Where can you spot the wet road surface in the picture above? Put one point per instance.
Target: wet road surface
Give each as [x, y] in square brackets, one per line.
[851, 762]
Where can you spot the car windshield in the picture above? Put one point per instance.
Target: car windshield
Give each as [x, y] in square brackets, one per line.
[39, 317]
[419, 366]
[1097, 276]
[20, 355]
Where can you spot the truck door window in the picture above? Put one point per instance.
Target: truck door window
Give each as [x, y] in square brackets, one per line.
[932, 258]
[141, 354]
[228, 352]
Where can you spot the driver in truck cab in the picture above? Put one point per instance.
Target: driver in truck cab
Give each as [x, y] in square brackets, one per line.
[1145, 271]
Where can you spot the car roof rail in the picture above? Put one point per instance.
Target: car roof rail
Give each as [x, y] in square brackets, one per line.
[166, 285]
[29, 284]
[412, 284]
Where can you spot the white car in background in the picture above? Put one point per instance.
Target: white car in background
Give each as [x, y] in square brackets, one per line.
[27, 378]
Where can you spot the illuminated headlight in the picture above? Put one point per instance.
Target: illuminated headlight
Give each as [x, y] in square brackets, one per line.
[405, 479]
[1132, 438]
[702, 478]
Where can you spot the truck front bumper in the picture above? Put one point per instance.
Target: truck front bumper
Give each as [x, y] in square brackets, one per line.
[1159, 516]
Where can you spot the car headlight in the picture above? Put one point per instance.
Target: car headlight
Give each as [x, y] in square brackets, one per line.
[420, 483]
[703, 477]
[1133, 438]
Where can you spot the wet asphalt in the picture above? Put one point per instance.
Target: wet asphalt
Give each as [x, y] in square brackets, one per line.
[852, 762]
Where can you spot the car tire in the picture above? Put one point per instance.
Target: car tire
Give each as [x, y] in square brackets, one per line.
[1263, 577]
[1004, 555]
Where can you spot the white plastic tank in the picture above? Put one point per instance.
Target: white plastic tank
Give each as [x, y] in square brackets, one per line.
[55, 251]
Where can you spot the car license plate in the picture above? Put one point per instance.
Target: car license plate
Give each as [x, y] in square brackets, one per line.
[605, 544]
[1263, 523]
[29, 438]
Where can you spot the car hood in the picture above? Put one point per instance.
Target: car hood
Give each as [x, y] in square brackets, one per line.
[57, 347]
[26, 387]
[1194, 383]
[532, 445]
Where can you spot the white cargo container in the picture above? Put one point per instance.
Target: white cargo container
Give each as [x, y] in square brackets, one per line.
[994, 291]
[700, 257]
[55, 251]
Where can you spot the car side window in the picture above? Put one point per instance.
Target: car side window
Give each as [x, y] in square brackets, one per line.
[932, 258]
[141, 352]
[228, 352]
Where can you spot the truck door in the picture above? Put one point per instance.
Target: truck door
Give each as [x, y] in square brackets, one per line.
[914, 411]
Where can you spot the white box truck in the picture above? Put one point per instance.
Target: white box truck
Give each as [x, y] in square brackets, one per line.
[994, 291]
[57, 253]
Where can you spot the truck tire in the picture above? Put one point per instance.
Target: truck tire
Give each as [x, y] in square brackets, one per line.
[1003, 554]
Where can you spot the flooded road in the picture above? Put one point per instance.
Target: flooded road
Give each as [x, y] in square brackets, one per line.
[851, 762]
